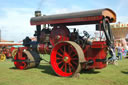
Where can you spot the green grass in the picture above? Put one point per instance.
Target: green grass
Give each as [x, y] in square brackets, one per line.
[44, 75]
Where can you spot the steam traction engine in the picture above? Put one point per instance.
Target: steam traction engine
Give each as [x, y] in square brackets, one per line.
[69, 52]
[7, 50]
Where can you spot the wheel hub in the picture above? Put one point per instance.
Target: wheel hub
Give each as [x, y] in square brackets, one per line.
[66, 59]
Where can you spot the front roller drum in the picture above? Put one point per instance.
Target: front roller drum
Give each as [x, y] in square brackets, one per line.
[66, 58]
[2, 57]
[26, 59]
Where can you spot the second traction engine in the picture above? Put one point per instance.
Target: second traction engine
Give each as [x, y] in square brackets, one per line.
[69, 52]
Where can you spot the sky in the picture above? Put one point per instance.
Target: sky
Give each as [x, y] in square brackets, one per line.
[15, 14]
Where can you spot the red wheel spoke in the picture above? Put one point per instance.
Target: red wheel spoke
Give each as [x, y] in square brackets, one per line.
[65, 67]
[62, 66]
[74, 54]
[70, 69]
[70, 50]
[61, 50]
[58, 58]
[74, 62]
[70, 65]
[64, 49]
[60, 62]
[74, 58]
[60, 54]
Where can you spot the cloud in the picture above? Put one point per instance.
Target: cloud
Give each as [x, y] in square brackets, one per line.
[15, 22]
[15, 25]
[46, 4]
[65, 10]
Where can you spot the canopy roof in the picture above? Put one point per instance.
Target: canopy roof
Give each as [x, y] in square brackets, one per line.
[75, 18]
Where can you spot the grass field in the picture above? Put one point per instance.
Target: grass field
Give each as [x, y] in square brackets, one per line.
[44, 75]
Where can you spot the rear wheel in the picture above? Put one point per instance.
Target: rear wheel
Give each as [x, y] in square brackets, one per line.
[65, 58]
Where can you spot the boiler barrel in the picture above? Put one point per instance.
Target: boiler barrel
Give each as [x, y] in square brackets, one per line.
[44, 48]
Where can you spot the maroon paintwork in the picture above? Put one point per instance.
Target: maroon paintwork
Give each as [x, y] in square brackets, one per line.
[96, 52]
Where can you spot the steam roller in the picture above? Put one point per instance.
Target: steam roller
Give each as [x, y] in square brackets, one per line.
[69, 51]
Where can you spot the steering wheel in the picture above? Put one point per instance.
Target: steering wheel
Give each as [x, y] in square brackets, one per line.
[86, 34]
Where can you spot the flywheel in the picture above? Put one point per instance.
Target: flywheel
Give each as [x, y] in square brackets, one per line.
[59, 33]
